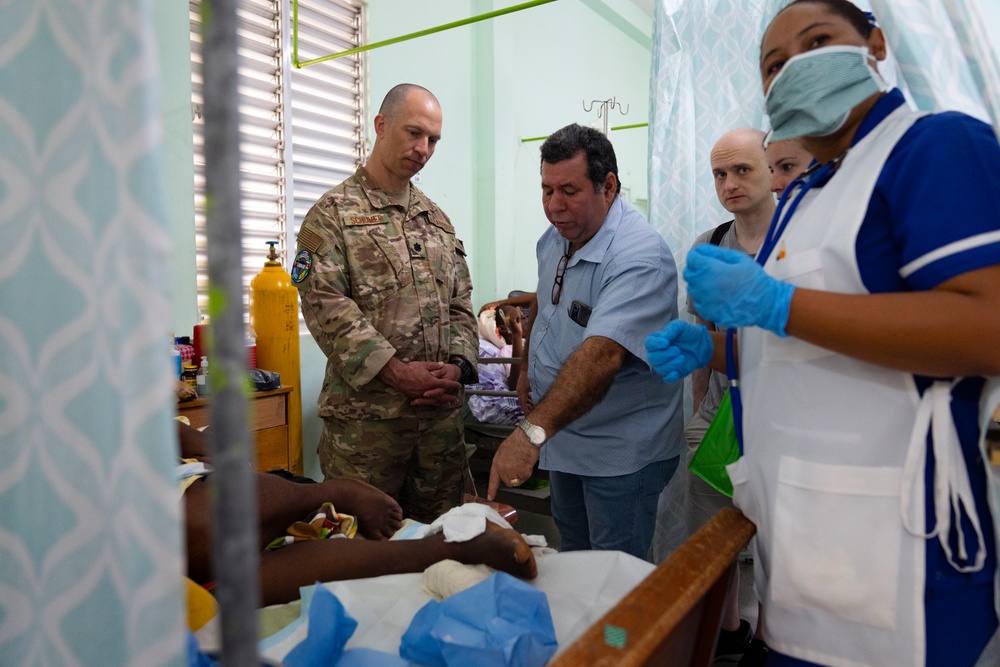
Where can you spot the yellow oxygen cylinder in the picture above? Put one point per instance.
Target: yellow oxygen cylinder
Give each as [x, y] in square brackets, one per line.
[274, 316]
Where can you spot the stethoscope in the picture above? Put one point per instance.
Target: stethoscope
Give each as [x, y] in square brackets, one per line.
[815, 175]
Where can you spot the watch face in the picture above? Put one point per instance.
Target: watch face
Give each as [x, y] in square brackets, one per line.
[535, 433]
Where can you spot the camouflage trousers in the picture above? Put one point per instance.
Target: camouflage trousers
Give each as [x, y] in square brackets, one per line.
[418, 461]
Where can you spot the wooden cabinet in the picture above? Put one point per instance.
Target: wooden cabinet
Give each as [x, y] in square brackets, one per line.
[268, 424]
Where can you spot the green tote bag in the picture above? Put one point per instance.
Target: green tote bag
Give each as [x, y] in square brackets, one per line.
[717, 449]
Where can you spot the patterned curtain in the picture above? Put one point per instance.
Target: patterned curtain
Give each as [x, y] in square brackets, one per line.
[944, 54]
[90, 544]
[704, 81]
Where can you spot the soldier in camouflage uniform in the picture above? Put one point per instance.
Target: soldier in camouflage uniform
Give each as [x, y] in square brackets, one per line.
[386, 293]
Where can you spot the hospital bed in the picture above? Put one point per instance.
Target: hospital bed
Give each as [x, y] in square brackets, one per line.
[629, 614]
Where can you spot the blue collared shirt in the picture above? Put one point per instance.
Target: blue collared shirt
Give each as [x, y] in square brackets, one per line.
[626, 275]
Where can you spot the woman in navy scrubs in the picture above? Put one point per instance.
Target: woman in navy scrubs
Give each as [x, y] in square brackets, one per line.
[869, 347]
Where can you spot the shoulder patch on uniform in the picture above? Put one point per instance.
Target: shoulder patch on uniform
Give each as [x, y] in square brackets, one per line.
[355, 219]
[309, 239]
[301, 266]
[331, 199]
[442, 222]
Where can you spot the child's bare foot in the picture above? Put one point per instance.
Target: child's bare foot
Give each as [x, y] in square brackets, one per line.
[379, 515]
[502, 549]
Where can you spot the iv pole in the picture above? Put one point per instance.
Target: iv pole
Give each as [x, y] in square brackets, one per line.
[607, 106]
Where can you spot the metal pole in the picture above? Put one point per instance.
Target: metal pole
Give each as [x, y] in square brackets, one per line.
[412, 35]
[613, 129]
[629, 127]
[232, 486]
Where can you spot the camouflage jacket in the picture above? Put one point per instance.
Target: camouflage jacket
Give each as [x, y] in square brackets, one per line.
[381, 281]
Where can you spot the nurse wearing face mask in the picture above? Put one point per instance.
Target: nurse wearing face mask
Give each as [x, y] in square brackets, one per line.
[869, 346]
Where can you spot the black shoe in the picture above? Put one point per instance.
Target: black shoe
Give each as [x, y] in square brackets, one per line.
[755, 654]
[732, 643]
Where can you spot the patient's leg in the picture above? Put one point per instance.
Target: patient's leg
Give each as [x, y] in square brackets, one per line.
[280, 503]
[283, 502]
[304, 563]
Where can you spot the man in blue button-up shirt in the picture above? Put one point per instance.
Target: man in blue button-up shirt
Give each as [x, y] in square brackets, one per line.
[607, 428]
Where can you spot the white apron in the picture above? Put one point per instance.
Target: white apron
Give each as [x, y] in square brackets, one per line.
[829, 488]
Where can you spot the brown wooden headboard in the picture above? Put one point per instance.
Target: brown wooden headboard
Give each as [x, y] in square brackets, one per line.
[672, 617]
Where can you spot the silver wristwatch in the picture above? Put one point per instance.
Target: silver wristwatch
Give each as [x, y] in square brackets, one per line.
[536, 434]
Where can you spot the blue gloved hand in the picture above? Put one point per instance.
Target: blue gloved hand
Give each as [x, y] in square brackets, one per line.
[729, 288]
[679, 349]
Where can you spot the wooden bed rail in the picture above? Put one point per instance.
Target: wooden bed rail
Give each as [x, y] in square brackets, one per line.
[673, 616]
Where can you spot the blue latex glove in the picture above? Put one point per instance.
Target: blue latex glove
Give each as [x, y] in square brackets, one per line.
[729, 288]
[679, 349]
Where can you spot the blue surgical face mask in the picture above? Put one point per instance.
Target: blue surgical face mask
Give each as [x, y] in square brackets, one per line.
[815, 91]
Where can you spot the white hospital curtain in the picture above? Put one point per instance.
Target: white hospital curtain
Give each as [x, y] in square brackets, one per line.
[704, 81]
[90, 548]
[944, 54]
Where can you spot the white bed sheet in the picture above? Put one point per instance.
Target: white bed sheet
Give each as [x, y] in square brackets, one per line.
[384, 606]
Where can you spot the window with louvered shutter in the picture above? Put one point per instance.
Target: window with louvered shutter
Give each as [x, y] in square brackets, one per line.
[326, 100]
[300, 130]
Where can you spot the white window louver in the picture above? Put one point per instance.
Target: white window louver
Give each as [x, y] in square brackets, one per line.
[300, 129]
